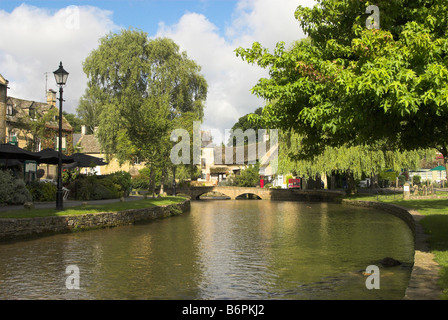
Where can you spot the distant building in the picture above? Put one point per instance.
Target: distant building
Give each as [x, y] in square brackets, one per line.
[219, 162]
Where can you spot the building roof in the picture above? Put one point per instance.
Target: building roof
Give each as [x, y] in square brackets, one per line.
[3, 80]
[89, 144]
[21, 109]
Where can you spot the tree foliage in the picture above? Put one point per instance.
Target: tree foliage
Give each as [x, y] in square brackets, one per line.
[144, 88]
[74, 121]
[346, 85]
[249, 177]
[89, 110]
[357, 160]
[244, 123]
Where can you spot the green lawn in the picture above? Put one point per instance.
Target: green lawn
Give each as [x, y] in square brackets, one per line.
[83, 209]
[435, 224]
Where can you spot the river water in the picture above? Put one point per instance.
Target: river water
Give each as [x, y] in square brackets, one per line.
[228, 249]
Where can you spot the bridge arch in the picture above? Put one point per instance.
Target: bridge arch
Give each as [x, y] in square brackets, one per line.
[248, 195]
[215, 194]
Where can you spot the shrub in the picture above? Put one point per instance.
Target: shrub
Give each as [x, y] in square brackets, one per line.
[82, 189]
[248, 177]
[101, 192]
[122, 181]
[6, 181]
[20, 192]
[416, 179]
[42, 191]
[100, 187]
[140, 182]
[115, 190]
[13, 190]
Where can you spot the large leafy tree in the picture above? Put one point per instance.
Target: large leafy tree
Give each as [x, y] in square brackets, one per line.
[348, 85]
[89, 110]
[354, 162]
[244, 123]
[145, 88]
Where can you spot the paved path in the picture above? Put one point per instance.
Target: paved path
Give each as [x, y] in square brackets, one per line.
[423, 284]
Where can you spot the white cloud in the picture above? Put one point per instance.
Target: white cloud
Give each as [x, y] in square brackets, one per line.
[35, 40]
[230, 79]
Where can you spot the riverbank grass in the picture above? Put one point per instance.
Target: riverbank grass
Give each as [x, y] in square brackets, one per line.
[434, 223]
[90, 208]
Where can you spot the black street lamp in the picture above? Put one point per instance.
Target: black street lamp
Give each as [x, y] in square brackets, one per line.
[174, 180]
[61, 78]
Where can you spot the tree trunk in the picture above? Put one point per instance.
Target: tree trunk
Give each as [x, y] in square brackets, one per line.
[152, 184]
[162, 182]
[351, 185]
[333, 181]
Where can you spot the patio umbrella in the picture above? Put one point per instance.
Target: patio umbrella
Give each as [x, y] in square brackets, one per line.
[10, 163]
[84, 161]
[51, 156]
[9, 151]
[440, 169]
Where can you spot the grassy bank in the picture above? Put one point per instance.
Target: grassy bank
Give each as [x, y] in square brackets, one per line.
[84, 209]
[435, 224]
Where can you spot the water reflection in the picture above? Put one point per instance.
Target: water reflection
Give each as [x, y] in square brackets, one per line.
[219, 250]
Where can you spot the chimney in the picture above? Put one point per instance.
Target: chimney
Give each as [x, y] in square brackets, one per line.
[83, 129]
[3, 98]
[51, 97]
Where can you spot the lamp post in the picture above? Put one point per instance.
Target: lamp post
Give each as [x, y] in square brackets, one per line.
[61, 78]
[174, 180]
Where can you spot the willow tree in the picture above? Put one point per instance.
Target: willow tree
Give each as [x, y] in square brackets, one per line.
[354, 162]
[145, 88]
[348, 84]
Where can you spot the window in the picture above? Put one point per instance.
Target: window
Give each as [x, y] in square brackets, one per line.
[9, 109]
[203, 163]
[64, 144]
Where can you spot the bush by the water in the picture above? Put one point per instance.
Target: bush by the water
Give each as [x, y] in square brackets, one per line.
[12, 189]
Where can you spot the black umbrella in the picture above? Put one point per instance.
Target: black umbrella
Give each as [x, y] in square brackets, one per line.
[84, 161]
[9, 151]
[51, 156]
[10, 163]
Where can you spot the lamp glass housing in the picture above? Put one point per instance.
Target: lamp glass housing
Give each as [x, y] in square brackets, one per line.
[61, 75]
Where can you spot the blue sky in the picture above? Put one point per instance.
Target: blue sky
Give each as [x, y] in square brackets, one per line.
[144, 14]
[36, 35]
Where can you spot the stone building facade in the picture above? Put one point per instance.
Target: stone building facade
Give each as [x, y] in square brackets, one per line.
[19, 117]
[3, 95]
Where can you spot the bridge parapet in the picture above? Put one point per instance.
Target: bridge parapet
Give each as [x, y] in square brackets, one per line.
[264, 194]
[231, 192]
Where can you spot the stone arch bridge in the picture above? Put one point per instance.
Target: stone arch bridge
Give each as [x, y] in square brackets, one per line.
[262, 193]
